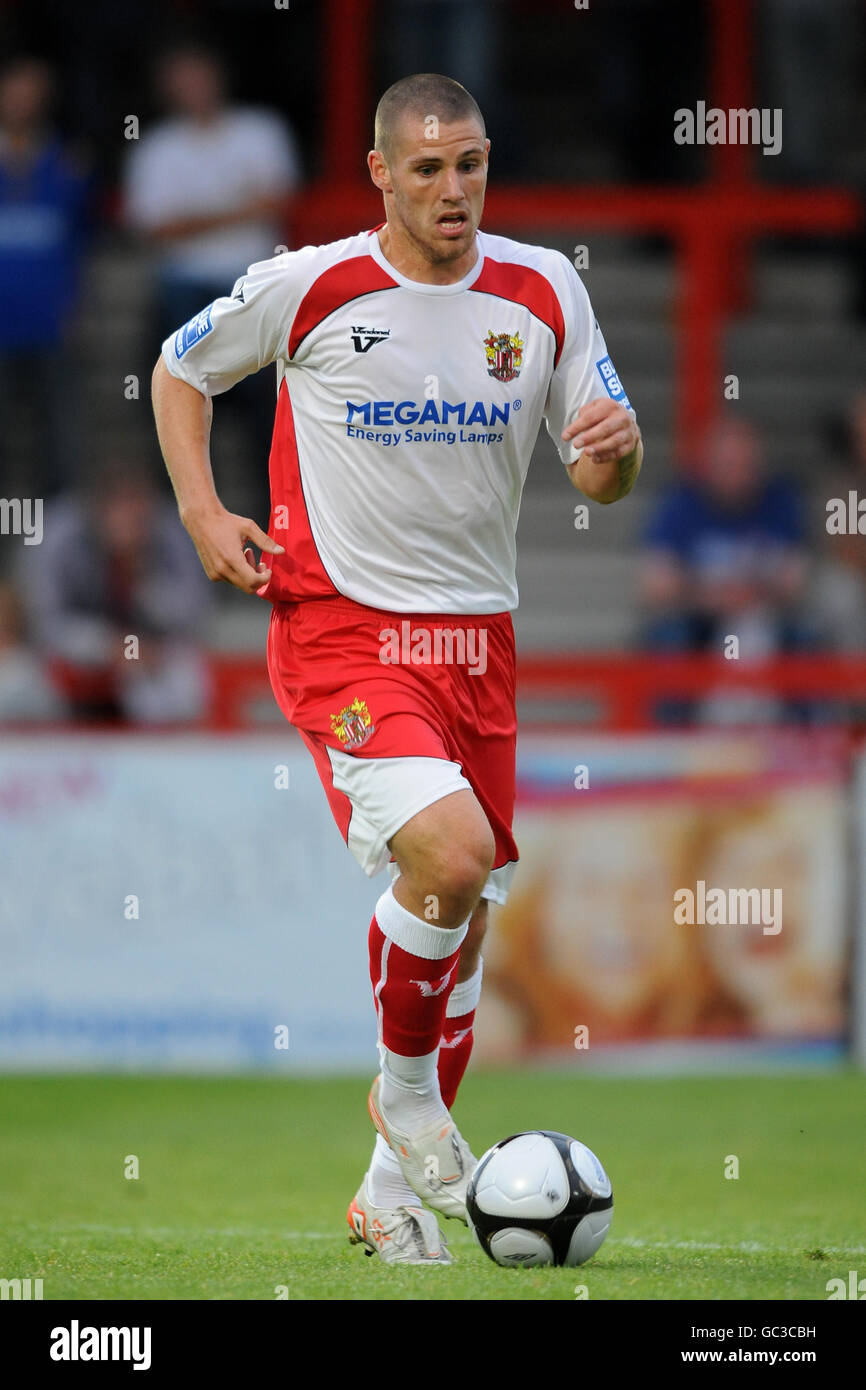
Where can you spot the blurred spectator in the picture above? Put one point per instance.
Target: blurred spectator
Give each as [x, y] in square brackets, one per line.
[650, 60]
[209, 188]
[725, 555]
[465, 39]
[43, 196]
[117, 595]
[809, 60]
[26, 694]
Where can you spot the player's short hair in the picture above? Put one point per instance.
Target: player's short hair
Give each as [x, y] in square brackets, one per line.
[423, 94]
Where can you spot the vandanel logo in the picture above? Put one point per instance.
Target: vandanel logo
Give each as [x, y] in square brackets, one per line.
[365, 338]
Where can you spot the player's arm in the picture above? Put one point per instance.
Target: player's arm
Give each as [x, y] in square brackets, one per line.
[587, 412]
[183, 423]
[612, 450]
[228, 340]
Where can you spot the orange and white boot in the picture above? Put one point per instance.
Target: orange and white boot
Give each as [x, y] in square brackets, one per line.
[436, 1161]
[401, 1236]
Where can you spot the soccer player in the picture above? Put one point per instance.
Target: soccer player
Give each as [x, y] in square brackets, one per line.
[416, 362]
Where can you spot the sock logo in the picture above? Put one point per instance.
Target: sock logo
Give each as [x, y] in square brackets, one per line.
[457, 1039]
[426, 986]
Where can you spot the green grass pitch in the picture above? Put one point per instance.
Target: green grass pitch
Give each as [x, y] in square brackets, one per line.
[244, 1184]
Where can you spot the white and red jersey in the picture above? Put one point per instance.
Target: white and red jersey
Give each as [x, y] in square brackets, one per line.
[406, 412]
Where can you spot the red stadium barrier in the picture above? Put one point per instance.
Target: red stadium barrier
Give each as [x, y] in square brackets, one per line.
[623, 689]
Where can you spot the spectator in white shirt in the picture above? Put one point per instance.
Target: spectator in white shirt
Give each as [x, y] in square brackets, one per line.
[209, 190]
[209, 186]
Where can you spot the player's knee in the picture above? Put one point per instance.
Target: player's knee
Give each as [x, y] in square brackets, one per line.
[462, 873]
[445, 854]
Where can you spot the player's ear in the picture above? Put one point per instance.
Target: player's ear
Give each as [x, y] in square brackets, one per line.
[379, 170]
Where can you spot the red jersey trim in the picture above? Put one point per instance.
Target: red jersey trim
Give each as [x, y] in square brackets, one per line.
[340, 284]
[300, 572]
[523, 285]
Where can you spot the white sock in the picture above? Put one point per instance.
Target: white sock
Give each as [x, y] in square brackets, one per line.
[409, 1089]
[466, 994]
[386, 1186]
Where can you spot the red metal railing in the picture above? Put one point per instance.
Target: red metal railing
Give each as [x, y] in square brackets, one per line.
[622, 688]
[711, 227]
[611, 691]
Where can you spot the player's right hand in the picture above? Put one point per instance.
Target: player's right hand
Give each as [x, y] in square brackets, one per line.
[222, 541]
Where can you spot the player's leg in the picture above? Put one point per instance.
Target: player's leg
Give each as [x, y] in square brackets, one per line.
[383, 756]
[385, 1184]
[455, 1044]
[444, 854]
[485, 745]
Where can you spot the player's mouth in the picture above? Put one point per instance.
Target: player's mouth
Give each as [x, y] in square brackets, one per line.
[452, 223]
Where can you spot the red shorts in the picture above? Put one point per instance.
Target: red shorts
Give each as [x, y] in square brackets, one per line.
[399, 710]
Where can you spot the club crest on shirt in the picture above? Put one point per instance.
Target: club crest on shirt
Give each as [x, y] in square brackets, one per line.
[504, 355]
[353, 725]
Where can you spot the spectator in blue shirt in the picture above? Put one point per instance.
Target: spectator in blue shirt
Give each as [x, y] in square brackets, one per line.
[725, 553]
[725, 556]
[43, 196]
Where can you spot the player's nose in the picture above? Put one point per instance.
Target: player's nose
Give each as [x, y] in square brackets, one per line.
[451, 186]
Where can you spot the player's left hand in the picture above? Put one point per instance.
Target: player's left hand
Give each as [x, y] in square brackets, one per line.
[603, 430]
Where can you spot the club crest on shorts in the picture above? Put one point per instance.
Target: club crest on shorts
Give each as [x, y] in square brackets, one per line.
[354, 724]
[504, 355]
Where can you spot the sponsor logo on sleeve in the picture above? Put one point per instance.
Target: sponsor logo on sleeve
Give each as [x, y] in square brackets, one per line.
[193, 332]
[613, 385]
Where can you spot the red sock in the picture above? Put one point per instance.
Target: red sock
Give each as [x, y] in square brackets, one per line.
[412, 964]
[455, 1048]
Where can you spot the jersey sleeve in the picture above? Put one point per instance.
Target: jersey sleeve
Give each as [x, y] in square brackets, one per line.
[584, 371]
[243, 331]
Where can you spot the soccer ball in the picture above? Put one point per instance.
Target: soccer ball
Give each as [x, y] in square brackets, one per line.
[539, 1198]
